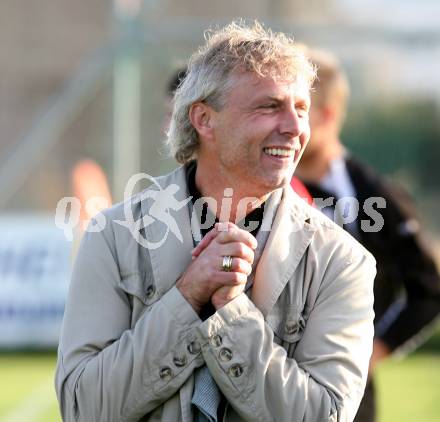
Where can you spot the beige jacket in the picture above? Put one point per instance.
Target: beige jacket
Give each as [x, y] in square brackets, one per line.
[299, 349]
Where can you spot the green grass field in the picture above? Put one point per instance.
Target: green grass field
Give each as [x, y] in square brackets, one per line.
[26, 385]
[409, 389]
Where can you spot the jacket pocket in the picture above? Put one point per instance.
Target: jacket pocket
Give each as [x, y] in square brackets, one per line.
[288, 327]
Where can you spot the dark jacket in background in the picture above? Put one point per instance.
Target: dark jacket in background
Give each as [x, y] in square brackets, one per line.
[407, 285]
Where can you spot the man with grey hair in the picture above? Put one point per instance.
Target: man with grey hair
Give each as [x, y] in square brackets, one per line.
[265, 315]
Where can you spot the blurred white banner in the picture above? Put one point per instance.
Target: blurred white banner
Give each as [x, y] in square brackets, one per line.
[35, 266]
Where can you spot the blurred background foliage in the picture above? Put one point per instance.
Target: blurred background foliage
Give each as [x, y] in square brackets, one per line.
[401, 139]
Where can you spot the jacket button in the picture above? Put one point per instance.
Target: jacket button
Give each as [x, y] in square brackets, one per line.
[151, 290]
[194, 347]
[291, 327]
[179, 361]
[225, 355]
[216, 341]
[235, 370]
[166, 373]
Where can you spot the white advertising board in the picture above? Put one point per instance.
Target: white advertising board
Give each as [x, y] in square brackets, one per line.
[35, 267]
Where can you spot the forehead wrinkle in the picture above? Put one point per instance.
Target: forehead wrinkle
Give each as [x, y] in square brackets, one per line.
[275, 89]
[297, 95]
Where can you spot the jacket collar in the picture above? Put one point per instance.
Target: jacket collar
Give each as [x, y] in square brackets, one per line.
[288, 240]
[173, 256]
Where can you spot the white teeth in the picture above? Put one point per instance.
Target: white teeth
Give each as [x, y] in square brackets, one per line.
[279, 152]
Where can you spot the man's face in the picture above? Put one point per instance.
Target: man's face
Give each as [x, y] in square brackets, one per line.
[261, 132]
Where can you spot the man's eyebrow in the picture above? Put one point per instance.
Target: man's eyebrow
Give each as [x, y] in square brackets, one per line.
[304, 100]
[269, 97]
[279, 99]
[275, 97]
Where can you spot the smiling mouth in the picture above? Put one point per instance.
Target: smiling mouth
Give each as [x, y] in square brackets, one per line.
[280, 152]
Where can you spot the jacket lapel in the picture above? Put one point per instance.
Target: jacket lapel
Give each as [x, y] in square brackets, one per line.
[289, 238]
[172, 257]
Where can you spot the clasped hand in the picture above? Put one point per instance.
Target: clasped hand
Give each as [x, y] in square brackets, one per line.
[204, 280]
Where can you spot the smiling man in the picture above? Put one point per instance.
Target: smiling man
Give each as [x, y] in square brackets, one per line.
[264, 316]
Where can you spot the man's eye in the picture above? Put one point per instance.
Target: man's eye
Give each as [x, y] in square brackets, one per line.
[302, 111]
[269, 106]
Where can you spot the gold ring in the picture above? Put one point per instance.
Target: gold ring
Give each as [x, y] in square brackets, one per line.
[227, 263]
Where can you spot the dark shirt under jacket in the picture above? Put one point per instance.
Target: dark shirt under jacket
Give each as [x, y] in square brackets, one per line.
[256, 216]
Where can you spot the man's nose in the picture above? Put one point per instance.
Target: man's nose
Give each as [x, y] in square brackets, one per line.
[290, 123]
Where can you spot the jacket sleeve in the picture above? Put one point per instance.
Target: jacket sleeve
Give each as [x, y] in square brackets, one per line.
[325, 379]
[108, 370]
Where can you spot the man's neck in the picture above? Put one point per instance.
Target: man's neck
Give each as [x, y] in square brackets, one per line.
[229, 196]
[314, 167]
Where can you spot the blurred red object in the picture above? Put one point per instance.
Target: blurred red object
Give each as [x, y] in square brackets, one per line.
[90, 182]
[301, 190]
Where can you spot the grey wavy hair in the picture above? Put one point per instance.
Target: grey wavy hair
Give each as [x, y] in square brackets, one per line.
[236, 47]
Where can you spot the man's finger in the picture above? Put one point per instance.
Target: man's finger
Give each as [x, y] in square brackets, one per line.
[239, 265]
[235, 234]
[205, 241]
[223, 278]
[238, 250]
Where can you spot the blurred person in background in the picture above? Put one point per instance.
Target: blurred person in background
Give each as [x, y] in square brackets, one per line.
[407, 285]
[227, 324]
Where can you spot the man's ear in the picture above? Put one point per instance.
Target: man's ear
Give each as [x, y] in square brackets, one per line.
[201, 115]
